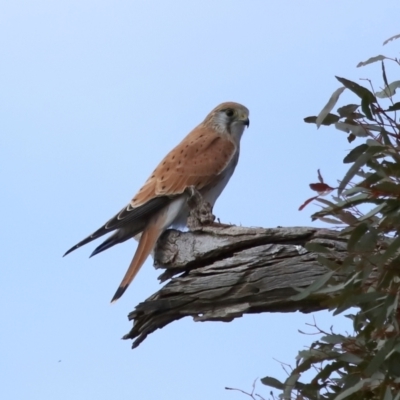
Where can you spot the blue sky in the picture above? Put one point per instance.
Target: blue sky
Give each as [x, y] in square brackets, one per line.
[93, 95]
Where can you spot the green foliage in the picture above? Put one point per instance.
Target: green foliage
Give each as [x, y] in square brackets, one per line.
[365, 364]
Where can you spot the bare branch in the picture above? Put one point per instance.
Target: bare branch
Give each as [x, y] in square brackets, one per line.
[225, 272]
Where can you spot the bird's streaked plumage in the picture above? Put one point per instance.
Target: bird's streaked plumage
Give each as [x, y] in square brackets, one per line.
[206, 159]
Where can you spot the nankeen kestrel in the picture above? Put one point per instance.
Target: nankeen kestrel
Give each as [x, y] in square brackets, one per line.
[205, 159]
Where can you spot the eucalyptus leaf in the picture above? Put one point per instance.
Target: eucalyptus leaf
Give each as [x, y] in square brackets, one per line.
[384, 76]
[357, 387]
[355, 153]
[346, 217]
[394, 107]
[357, 165]
[391, 38]
[365, 107]
[332, 289]
[350, 358]
[373, 142]
[371, 60]
[313, 353]
[388, 91]
[354, 190]
[391, 169]
[329, 106]
[356, 235]
[289, 386]
[331, 220]
[373, 127]
[379, 358]
[367, 242]
[269, 381]
[348, 110]
[328, 120]
[373, 212]
[357, 130]
[392, 250]
[333, 339]
[359, 90]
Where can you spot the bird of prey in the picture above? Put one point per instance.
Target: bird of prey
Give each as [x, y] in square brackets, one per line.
[206, 159]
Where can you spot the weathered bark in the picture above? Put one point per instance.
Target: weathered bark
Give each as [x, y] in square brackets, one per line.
[226, 272]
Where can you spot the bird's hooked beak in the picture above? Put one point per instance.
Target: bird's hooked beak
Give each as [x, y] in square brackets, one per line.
[244, 118]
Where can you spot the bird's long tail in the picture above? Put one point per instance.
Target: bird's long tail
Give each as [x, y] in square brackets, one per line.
[151, 232]
[147, 241]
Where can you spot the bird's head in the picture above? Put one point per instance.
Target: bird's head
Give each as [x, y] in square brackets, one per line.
[229, 118]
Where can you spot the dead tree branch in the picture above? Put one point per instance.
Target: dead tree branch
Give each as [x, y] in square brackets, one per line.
[224, 272]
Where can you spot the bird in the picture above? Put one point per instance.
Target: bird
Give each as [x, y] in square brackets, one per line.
[205, 159]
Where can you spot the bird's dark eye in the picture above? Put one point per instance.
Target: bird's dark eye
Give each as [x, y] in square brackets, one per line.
[229, 112]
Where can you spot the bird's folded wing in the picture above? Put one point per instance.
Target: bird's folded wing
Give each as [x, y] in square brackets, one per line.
[197, 161]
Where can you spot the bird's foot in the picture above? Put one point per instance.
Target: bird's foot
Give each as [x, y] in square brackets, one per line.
[200, 211]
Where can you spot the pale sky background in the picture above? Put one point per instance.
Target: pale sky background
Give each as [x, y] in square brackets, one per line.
[92, 95]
